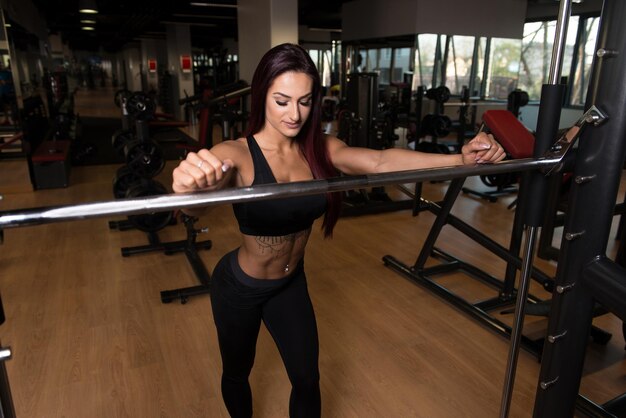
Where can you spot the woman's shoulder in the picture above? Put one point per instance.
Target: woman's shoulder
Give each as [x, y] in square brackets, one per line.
[232, 146]
[235, 150]
[332, 142]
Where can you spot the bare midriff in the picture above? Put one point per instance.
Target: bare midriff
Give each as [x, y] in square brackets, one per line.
[272, 257]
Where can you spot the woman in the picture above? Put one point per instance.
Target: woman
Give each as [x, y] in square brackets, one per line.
[263, 280]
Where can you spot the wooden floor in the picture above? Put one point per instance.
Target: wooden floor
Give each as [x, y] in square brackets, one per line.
[91, 338]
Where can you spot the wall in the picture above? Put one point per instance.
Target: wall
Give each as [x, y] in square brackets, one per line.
[263, 24]
[306, 35]
[132, 61]
[231, 45]
[368, 19]
[550, 9]
[26, 15]
[178, 43]
[150, 50]
[284, 18]
[254, 36]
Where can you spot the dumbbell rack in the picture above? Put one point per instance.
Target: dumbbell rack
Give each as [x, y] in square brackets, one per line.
[190, 247]
[136, 180]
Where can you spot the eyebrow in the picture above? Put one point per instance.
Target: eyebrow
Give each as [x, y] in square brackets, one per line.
[306, 96]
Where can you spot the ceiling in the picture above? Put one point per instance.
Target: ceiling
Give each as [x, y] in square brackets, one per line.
[122, 21]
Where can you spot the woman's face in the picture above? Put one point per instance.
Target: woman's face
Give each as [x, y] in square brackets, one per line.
[288, 103]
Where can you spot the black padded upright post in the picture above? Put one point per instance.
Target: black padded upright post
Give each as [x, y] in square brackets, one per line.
[597, 174]
[547, 130]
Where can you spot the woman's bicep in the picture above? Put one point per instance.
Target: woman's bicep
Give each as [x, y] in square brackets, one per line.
[352, 160]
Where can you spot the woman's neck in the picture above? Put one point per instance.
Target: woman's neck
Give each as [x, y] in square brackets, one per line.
[274, 141]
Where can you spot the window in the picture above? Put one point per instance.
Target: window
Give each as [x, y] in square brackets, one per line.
[371, 63]
[325, 73]
[323, 60]
[504, 61]
[458, 67]
[315, 56]
[384, 65]
[401, 64]
[426, 47]
[536, 54]
[580, 83]
[478, 86]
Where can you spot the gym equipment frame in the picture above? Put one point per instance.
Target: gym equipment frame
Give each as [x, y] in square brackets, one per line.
[584, 274]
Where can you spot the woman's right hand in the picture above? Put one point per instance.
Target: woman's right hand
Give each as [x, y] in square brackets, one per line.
[201, 171]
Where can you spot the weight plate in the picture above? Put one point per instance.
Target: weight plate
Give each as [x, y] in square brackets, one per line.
[140, 106]
[151, 222]
[124, 179]
[144, 157]
[120, 95]
[119, 140]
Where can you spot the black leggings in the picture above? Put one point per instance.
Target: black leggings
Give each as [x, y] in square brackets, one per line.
[239, 304]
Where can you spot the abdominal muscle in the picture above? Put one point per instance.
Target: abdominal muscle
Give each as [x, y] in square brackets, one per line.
[272, 257]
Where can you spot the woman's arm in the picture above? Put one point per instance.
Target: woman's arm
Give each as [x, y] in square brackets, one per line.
[355, 160]
[206, 170]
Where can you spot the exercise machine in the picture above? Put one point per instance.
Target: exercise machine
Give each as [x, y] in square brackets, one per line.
[364, 122]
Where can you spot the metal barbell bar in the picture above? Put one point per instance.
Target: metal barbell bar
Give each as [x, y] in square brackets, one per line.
[132, 206]
[471, 103]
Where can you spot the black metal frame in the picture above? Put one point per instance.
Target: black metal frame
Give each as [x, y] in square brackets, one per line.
[584, 274]
[555, 217]
[506, 296]
[190, 247]
[7, 409]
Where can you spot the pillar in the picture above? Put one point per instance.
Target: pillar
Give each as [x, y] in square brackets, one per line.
[178, 45]
[263, 24]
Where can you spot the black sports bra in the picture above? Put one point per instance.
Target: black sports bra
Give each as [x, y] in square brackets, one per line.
[275, 217]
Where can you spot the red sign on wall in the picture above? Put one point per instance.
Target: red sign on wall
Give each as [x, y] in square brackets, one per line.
[185, 63]
[152, 65]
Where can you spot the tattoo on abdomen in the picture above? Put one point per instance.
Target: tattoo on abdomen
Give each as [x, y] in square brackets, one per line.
[278, 245]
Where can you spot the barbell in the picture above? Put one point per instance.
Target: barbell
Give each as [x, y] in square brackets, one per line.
[144, 205]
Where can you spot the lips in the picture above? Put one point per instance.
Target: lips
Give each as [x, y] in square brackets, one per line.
[292, 125]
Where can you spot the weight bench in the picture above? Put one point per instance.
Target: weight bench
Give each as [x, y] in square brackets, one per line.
[516, 140]
[51, 164]
[6, 142]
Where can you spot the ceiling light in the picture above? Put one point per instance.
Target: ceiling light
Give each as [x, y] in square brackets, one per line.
[325, 29]
[173, 22]
[88, 28]
[87, 6]
[228, 6]
[87, 21]
[205, 16]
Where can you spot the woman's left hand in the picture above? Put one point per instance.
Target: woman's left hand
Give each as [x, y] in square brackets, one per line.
[482, 149]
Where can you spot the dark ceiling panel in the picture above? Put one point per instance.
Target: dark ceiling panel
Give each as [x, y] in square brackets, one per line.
[120, 22]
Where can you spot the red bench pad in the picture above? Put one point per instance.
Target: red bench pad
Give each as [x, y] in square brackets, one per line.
[514, 137]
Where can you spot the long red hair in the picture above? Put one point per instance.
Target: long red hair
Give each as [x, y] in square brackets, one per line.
[278, 60]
